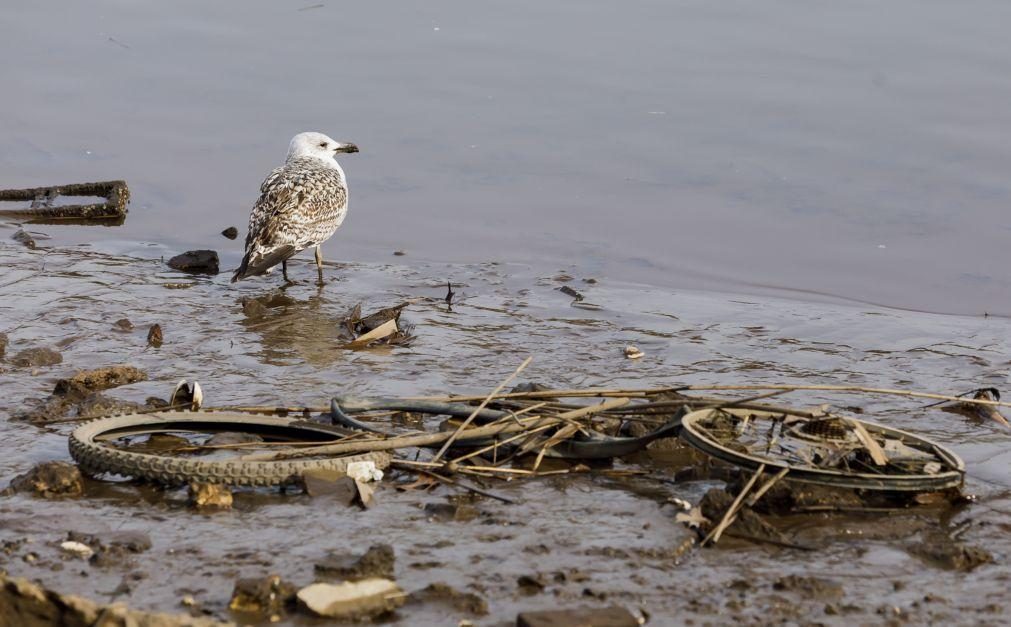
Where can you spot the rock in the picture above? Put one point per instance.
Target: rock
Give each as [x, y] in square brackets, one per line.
[210, 495]
[443, 593]
[154, 336]
[37, 357]
[369, 598]
[940, 550]
[77, 549]
[531, 584]
[27, 604]
[714, 505]
[123, 324]
[330, 483]
[3, 344]
[377, 562]
[23, 237]
[612, 616]
[99, 379]
[786, 496]
[50, 480]
[268, 595]
[196, 261]
[112, 549]
[231, 232]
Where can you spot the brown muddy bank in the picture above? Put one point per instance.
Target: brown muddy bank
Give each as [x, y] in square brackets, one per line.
[585, 540]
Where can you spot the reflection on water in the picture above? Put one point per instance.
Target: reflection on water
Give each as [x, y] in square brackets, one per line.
[812, 148]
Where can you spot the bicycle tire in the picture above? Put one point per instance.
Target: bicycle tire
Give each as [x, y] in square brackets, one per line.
[96, 458]
[951, 478]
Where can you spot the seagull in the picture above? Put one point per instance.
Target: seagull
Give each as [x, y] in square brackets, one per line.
[301, 205]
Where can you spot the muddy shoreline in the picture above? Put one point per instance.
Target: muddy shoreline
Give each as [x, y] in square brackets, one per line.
[584, 540]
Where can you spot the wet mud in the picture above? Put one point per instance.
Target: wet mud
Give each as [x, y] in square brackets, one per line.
[590, 539]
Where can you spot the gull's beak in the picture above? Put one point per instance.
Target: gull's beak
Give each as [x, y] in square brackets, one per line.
[346, 147]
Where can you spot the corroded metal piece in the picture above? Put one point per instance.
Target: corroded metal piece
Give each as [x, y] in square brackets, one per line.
[114, 209]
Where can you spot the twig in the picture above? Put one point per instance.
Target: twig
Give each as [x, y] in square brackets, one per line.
[458, 484]
[731, 512]
[466, 423]
[843, 388]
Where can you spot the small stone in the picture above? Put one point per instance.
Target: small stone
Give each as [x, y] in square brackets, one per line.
[123, 324]
[23, 237]
[76, 548]
[267, 595]
[399, 253]
[196, 262]
[231, 232]
[443, 593]
[3, 344]
[37, 357]
[332, 484]
[369, 598]
[50, 480]
[210, 495]
[154, 336]
[633, 352]
[377, 562]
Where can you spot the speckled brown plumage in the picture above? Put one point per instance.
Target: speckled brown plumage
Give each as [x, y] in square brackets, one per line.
[301, 205]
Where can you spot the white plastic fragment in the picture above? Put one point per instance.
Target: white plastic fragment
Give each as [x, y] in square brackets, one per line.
[633, 352]
[364, 471]
[76, 548]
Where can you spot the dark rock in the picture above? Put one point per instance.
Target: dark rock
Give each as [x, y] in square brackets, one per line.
[583, 617]
[716, 502]
[378, 561]
[3, 344]
[37, 357]
[196, 262]
[786, 496]
[130, 541]
[231, 232]
[443, 593]
[268, 595]
[99, 379]
[331, 484]
[50, 480]
[73, 405]
[531, 584]
[154, 336]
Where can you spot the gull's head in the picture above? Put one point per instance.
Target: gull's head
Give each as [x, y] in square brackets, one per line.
[317, 145]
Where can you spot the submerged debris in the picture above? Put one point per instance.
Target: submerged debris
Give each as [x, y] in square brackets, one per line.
[978, 411]
[196, 262]
[24, 237]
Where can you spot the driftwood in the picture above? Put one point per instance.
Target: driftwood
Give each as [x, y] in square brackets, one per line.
[116, 195]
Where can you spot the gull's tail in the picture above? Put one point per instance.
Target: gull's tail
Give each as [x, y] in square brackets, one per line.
[258, 261]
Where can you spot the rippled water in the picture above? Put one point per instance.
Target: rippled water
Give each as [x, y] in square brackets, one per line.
[616, 535]
[851, 150]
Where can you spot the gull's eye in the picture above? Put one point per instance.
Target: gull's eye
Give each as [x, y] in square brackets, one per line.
[323, 145]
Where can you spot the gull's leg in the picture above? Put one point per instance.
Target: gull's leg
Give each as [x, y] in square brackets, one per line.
[319, 264]
[284, 271]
